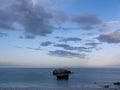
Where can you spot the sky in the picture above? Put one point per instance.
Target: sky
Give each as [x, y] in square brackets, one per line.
[59, 33]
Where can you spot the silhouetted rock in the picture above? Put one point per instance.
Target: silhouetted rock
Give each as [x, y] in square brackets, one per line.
[95, 82]
[116, 83]
[106, 86]
[62, 73]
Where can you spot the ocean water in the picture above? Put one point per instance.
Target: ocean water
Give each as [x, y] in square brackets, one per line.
[43, 78]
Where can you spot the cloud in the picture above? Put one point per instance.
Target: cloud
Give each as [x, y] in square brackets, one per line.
[34, 19]
[34, 16]
[27, 37]
[87, 21]
[65, 46]
[3, 34]
[33, 48]
[93, 44]
[107, 26]
[6, 19]
[54, 7]
[47, 43]
[68, 47]
[62, 53]
[60, 16]
[73, 39]
[110, 37]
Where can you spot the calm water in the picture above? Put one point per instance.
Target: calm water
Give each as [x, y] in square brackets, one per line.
[82, 77]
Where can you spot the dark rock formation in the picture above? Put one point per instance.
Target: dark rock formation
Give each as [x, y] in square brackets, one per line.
[116, 83]
[106, 86]
[95, 82]
[62, 73]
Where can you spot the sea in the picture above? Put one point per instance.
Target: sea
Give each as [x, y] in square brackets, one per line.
[43, 78]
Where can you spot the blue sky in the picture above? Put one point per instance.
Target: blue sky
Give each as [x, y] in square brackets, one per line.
[59, 33]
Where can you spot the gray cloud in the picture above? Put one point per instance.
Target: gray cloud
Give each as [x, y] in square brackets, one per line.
[65, 46]
[3, 34]
[107, 26]
[73, 39]
[110, 37]
[47, 43]
[54, 6]
[6, 19]
[34, 19]
[68, 47]
[93, 44]
[33, 48]
[62, 53]
[60, 16]
[68, 28]
[27, 37]
[87, 21]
